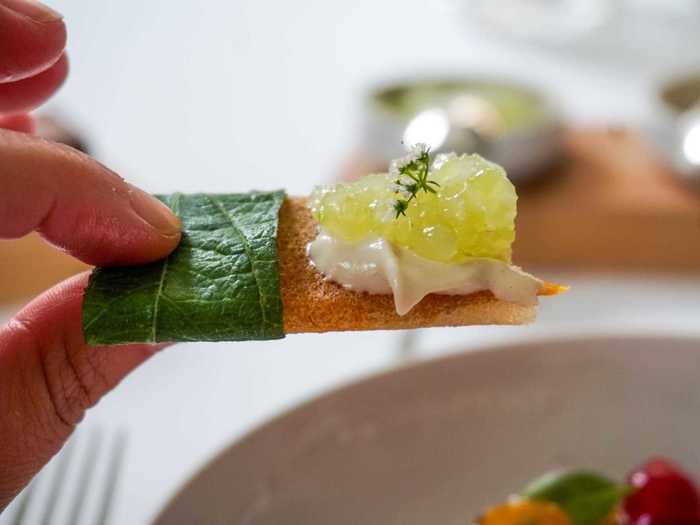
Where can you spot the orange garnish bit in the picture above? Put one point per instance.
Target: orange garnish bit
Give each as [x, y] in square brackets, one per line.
[552, 289]
[525, 512]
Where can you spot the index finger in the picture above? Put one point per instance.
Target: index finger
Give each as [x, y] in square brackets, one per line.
[32, 39]
[25, 95]
[79, 205]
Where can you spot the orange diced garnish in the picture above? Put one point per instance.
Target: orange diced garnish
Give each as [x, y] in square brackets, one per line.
[525, 512]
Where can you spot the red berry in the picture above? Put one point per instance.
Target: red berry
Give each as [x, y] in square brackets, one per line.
[663, 495]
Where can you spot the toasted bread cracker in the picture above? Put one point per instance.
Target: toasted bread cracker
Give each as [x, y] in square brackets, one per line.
[312, 304]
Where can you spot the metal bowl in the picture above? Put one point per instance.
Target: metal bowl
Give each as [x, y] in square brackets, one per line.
[677, 131]
[510, 124]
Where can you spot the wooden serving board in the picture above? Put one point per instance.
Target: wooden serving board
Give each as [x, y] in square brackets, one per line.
[611, 205]
[28, 266]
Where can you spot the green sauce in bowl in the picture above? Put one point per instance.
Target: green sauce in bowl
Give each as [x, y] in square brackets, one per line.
[517, 108]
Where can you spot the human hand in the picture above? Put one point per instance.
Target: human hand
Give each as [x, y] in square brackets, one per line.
[48, 376]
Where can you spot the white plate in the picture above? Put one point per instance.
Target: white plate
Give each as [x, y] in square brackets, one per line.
[437, 442]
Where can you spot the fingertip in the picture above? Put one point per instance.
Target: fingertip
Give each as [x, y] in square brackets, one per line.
[155, 213]
[80, 206]
[170, 243]
[32, 39]
[24, 95]
[156, 247]
[33, 9]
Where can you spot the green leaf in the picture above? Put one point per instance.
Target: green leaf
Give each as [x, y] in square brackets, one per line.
[585, 497]
[220, 284]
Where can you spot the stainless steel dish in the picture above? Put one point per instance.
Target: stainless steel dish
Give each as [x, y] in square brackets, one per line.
[512, 125]
[678, 132]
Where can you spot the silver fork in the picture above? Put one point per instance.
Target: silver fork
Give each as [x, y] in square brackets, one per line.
[87, 478]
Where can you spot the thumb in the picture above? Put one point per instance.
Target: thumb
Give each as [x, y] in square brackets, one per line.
[48, 375]
[49, 378]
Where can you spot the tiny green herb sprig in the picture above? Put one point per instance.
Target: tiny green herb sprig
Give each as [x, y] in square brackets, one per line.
[411, 176]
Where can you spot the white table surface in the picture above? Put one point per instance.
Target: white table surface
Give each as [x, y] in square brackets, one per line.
[223, 96]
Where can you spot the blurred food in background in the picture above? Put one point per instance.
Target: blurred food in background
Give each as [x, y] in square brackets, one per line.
[656, 492]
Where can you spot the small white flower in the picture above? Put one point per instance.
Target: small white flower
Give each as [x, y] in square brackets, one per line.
[405, 180]
[394, 170]
[414, 153]
[401, 190]
[418, 149]
[388, 215]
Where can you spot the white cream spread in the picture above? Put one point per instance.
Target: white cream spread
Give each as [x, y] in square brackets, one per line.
[376, 266]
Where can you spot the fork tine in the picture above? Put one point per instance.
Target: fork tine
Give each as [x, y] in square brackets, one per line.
[86, 473]
[118, 449]
[18, 518]
[57, 483]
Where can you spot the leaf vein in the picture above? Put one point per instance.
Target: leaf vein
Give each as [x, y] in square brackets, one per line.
[248, 251]
[163, 273]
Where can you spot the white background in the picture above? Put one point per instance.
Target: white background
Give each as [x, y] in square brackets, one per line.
[231, 95]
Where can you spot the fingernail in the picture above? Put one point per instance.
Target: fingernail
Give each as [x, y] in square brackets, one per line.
[33, 9]
[154, 212]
